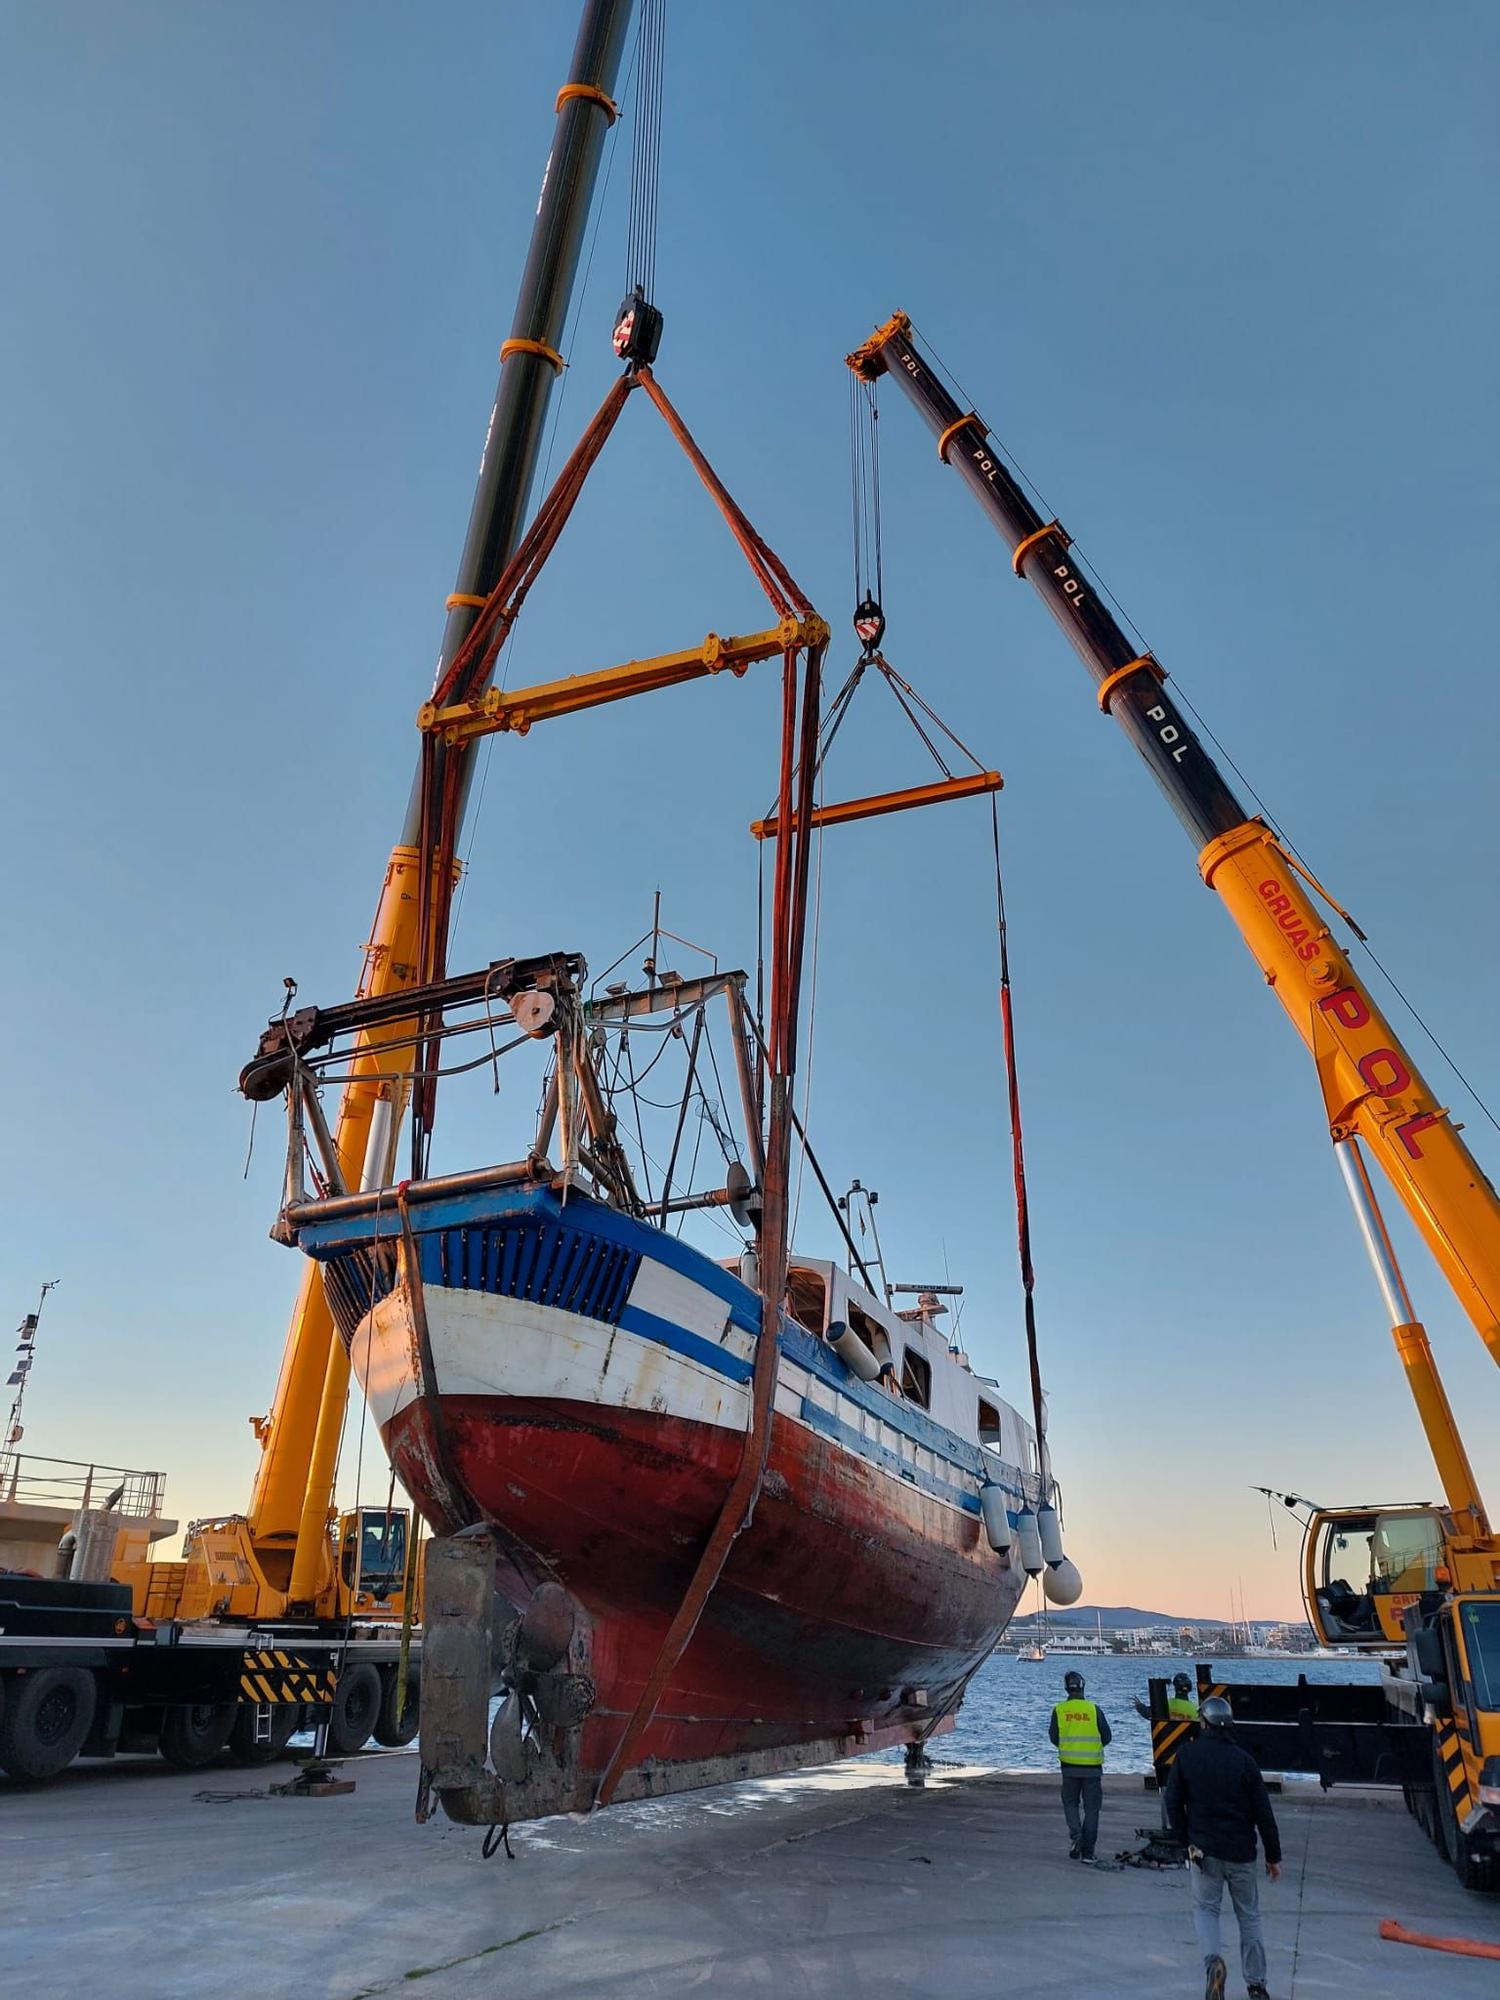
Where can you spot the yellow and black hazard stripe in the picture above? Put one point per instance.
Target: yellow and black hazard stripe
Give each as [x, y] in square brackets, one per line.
[284, 1677]
[1451, 1762]
[1167, 1738]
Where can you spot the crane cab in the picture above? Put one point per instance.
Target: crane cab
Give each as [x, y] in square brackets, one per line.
[372, 1560]
[1362, 1568]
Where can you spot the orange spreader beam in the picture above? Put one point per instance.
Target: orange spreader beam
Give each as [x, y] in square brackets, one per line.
[892, 802]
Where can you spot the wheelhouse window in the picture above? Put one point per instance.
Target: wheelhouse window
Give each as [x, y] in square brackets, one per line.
[989, 1425]
[916, 1378]
[807, 1298]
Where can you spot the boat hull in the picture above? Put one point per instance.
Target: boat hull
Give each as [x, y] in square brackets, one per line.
[598, 1446]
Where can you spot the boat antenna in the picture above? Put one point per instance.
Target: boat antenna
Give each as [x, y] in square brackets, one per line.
[21, 1368]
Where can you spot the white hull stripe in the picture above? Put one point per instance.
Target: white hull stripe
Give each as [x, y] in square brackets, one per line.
[511, 1350]
[693, 1345]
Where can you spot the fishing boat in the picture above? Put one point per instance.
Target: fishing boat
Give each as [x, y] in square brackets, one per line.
[698, 1516]
[547, 1360]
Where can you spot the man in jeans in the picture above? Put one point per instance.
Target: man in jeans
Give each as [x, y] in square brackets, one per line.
[1080, 1731]
[1216, 1804]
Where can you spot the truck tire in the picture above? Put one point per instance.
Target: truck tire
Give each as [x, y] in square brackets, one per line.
[393, 1730]
[356, 1708]
[47, 1716]
[286, 1720]
[194, 1733]
[1474, 1871]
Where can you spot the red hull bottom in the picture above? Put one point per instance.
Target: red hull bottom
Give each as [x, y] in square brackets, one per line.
[849, 1615]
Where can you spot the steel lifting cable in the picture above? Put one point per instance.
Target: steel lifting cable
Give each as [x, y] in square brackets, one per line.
[645, 151]
[864, 480]
[1018, 1157]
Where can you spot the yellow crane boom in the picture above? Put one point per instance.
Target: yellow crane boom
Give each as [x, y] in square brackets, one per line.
[286, 1529]
[1371, 1085]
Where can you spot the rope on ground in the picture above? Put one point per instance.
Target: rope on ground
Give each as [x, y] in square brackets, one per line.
[1395, 1933]
[1301, 1902]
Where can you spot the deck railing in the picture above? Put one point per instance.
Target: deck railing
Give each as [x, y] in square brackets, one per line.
[29, 1481]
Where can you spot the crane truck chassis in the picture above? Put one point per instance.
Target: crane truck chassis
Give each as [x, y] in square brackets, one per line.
[82, 1675]
[1404, 1731]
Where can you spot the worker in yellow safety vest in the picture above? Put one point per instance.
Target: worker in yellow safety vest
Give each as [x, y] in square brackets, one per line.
[1181, 1704]
[1080, 1731]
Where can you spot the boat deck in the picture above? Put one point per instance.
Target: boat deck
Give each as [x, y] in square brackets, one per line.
[836, 1883]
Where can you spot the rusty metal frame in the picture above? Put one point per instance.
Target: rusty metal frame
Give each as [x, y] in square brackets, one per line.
[880, 803]
[495, 711]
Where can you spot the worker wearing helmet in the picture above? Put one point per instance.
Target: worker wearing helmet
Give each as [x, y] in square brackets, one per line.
[1181, 1705]
[1080, 1733]
[1216, 1804]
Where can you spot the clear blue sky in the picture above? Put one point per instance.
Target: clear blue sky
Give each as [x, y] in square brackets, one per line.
[1223, 280]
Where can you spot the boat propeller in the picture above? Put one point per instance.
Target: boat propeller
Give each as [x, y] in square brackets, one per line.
[530, 1659]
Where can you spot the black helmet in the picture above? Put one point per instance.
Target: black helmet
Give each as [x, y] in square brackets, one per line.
[1216, 1713]
[1181, 1684]
[1073, 1681]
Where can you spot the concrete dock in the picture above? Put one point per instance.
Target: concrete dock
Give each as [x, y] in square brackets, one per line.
[122, 1879]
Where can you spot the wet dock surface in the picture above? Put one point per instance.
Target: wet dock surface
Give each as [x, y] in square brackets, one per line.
[844, 1882]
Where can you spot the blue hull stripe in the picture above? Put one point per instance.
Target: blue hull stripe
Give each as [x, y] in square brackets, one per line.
[323, 1239]
[692, 1345]
[331, 1241]
[829, 1426]
[819, 1359]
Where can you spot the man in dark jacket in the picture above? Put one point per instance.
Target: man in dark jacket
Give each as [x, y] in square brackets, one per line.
[1216, 1804]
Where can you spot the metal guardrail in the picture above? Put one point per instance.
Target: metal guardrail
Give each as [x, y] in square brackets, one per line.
[29, 1481]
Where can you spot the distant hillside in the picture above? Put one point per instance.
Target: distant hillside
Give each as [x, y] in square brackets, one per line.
[1117, 1617]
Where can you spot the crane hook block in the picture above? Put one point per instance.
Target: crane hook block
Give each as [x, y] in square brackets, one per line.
[637, 334]
[869, 625]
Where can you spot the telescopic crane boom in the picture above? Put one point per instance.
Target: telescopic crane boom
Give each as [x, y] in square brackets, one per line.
[1430, 1603]
[287, 1522]
[1371, 1086]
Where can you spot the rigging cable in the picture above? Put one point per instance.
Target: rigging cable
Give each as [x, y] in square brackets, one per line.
[869, 626]
[1018, 1163]
[645, 153]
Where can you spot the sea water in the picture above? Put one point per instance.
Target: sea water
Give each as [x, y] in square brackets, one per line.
[1003, 1722]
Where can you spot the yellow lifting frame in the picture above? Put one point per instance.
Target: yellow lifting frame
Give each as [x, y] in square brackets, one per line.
[517, 709]
[879, 803]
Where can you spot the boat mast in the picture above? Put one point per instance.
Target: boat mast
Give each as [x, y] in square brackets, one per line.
[289, 1506]
[21, 1373]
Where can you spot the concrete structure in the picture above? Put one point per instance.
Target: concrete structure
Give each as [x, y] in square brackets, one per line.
[126, 1879]
[41, 1498]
